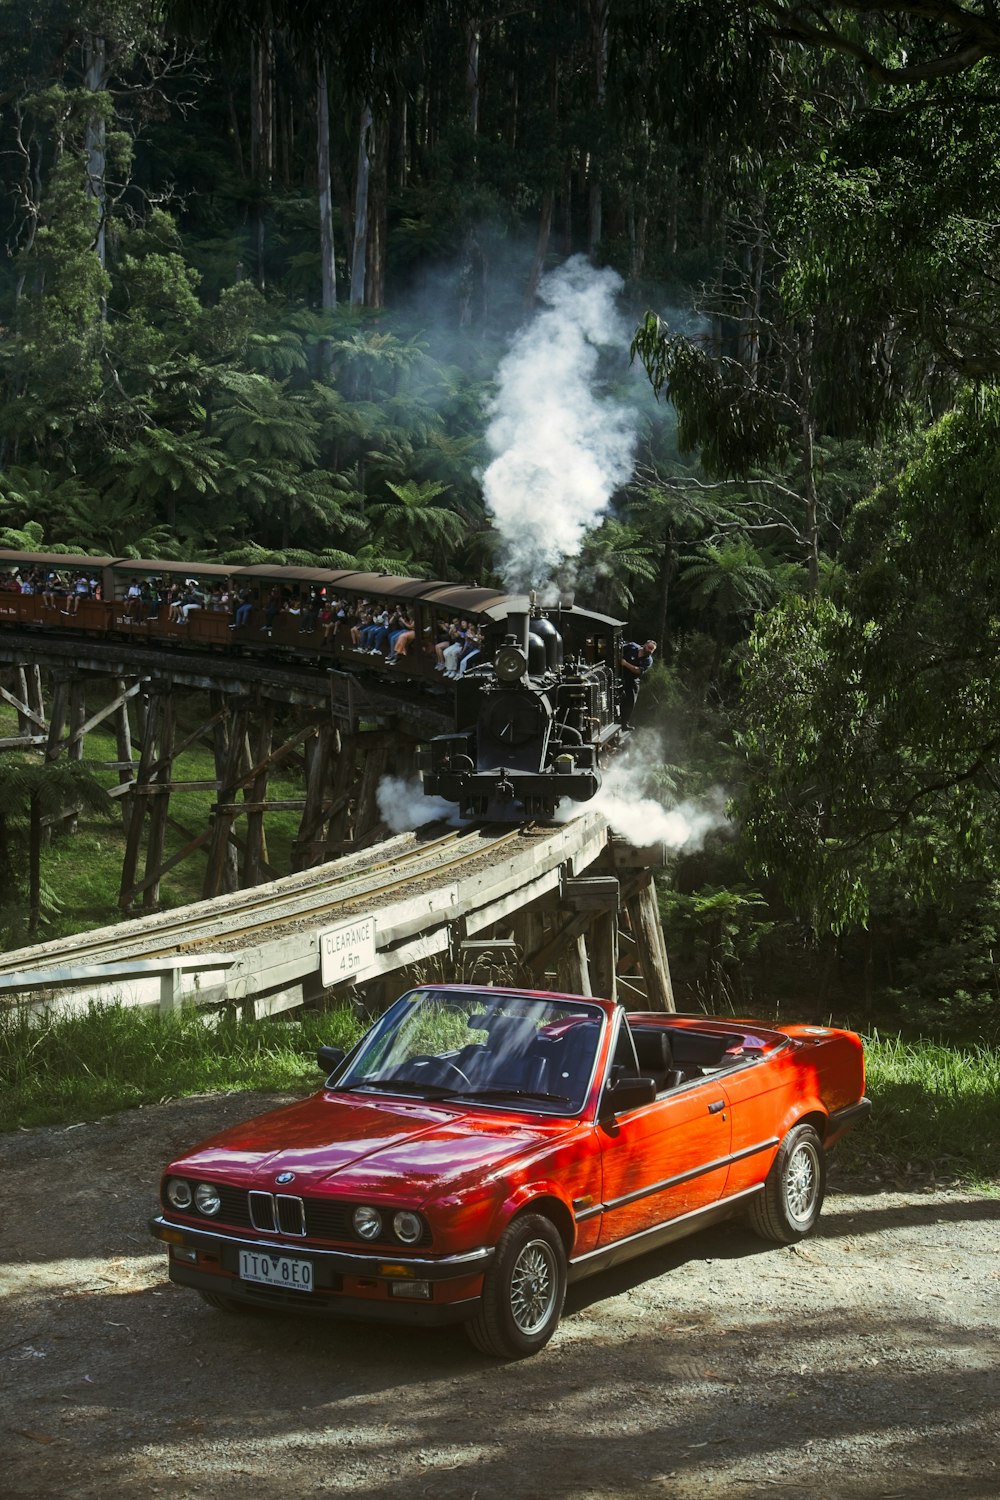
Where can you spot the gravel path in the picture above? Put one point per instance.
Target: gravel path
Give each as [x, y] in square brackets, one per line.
[860, 1365]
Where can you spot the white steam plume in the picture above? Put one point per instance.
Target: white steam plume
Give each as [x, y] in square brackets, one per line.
[646, 820]
[561, 450]
[403, 806]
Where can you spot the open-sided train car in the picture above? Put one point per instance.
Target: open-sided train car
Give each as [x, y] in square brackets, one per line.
[536, 704]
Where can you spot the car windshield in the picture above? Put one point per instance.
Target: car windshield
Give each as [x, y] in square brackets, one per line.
[521, 1050]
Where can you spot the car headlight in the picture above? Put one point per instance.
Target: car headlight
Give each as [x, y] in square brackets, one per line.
[407, 1227]
[367, 1223]
[178, 1193]
[206, 1198]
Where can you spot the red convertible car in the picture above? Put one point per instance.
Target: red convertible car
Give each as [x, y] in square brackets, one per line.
[480, 1148]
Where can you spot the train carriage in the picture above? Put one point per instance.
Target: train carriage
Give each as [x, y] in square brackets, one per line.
[536, 703]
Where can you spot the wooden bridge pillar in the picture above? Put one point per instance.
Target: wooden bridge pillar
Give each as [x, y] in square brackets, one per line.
[25, 695]
[123, 747]
[602, 943]
[150, 792]
[157, 791]
[322, 754]
[259, 738]
[222, 867]
[222, 861]
[651, 949]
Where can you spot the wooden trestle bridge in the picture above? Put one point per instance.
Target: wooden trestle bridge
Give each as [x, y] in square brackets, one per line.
[569, 907]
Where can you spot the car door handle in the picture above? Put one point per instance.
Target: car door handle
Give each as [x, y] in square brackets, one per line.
[719, 1104]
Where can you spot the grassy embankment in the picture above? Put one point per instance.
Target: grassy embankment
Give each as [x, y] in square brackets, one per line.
[936, 1108]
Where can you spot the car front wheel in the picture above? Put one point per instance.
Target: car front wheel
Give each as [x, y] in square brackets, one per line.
[790, 1204]
[523, 1291]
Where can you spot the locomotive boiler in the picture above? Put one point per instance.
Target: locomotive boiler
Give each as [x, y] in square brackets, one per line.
[535, 722]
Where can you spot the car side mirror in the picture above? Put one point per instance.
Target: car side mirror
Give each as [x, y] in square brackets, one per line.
[329, 1058]
[625, 1094]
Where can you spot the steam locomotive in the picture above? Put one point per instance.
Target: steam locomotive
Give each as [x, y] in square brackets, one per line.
[534, 711]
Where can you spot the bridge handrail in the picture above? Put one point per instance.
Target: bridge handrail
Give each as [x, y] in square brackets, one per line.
[169, 970]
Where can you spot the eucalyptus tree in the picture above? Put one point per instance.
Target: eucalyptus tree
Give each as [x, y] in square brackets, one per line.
[872, 720]
[355, 49]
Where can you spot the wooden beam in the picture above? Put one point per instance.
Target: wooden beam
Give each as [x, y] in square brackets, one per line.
[23, 709]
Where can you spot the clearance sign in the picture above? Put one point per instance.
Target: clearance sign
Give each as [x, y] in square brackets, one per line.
[347, 951]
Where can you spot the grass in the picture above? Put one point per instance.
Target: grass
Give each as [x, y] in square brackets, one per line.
[63, 1069]
[936, 1108]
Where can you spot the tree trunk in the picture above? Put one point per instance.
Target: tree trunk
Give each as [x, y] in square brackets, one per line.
[377, 218]
[599, 45]
[809, 467]
[472, 76]
[262, 138]
[360, 251]
[94, 78]
[328, 265]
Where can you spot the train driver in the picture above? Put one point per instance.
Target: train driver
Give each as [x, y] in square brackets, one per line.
[636, 661]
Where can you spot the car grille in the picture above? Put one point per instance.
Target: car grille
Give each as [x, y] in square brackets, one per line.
[282, 1213]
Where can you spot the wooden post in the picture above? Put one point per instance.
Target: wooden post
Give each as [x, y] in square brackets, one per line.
[77, 719]
[256, 793]
[229, 872]
[603, 949]
[574, 967]
[651, 950]
[160, 802]
[123, 750]
[237, 756]
[35, 700]
[377, 748]
[342, 795]
[57, 720]
[24, 725]
[137, 816]
[320, 754]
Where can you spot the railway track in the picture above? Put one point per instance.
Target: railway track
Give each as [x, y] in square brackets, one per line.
[293, 901]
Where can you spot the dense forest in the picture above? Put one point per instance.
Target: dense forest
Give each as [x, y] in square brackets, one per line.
[269, 273]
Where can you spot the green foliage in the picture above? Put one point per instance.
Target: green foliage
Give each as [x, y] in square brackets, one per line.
[871, 724]
[714, 932]
[57, 1068]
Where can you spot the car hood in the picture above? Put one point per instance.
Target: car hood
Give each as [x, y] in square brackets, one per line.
[357, 1144]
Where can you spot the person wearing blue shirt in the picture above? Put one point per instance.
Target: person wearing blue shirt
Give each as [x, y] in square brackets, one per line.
[636, 661]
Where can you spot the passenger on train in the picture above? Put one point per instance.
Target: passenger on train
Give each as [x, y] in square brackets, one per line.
[402, 639]
[80, 590]
[244, 609]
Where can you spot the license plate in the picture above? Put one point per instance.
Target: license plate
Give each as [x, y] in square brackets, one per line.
[276, 1270]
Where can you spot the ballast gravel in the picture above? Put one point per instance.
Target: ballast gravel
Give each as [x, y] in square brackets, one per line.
[859, 1365]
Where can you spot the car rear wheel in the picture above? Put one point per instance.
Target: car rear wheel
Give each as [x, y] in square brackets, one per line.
[790, 1204]
[523, 1291]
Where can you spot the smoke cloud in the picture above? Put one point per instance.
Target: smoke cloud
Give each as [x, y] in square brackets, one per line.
[561, 449]
[403, 806]
[645, 819]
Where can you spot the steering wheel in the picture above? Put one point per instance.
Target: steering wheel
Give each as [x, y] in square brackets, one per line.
[439, 1066]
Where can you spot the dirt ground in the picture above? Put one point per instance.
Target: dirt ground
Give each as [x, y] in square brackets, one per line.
[863, 1363]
